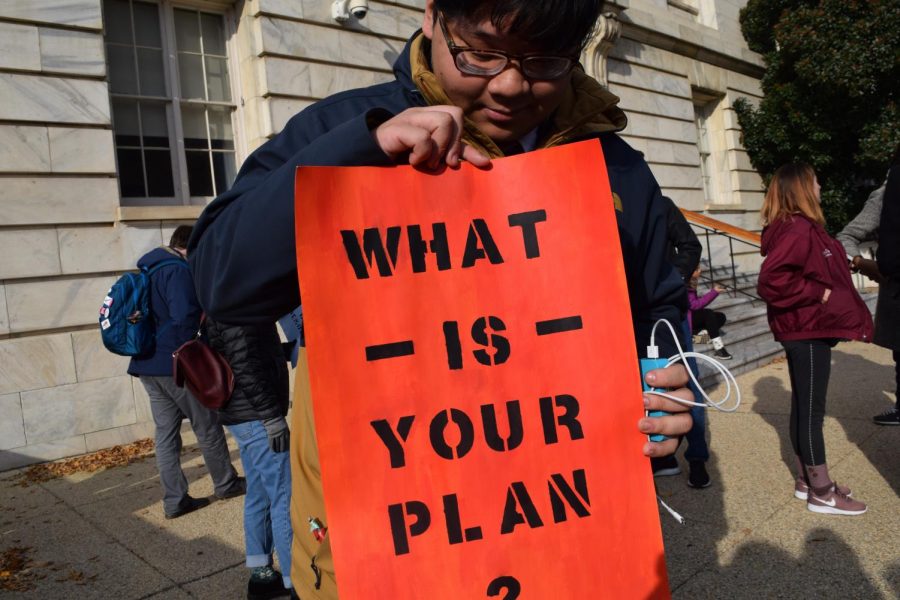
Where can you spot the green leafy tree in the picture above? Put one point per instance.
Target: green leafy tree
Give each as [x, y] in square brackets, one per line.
[830, 93]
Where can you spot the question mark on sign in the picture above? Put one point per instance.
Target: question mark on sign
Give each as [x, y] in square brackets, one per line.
[510, 584]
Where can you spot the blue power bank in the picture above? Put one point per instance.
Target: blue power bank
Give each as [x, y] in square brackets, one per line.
[647, 365]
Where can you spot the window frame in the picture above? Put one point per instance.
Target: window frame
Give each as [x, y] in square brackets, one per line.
[175, 101]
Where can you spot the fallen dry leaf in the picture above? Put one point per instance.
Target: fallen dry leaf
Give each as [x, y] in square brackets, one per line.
[117, 456]
[15, 569]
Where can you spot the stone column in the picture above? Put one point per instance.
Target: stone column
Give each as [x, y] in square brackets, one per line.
[594, 55]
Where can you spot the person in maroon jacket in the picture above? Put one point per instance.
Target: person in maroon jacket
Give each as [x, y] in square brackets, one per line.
[812, 305]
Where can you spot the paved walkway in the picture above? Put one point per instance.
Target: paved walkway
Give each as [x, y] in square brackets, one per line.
[103, 535]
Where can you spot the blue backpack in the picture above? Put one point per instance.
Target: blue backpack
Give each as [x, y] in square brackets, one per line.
[126, 323]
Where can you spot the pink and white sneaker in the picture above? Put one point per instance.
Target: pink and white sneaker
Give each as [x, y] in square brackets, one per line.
[801, 490]
[834, 502]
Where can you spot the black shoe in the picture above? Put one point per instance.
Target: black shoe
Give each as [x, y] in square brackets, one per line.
[238, 488]
[698, 477]
[188, 505]
[723, 354]
[888, 417]
[665, 466]
[266, 583]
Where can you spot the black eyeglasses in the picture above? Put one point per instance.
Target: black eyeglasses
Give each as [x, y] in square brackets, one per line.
[487, 63]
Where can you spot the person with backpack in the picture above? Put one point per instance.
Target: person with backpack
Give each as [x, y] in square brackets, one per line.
[176, 313]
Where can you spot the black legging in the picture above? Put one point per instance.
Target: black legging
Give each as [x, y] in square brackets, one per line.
[809, 365]
[707, 319]
[896, 354]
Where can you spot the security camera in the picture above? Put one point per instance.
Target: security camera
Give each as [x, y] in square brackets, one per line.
[359, 8]
[342, 9]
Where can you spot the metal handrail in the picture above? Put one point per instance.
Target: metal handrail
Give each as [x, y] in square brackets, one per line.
[711, 226]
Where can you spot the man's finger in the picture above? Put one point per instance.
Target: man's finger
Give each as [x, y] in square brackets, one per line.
[675, 376]
[657, 402]
[672, 425]
[475, 157]
[660, 449]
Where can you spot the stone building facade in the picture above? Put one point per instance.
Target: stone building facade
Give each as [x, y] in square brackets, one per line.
[120, 119]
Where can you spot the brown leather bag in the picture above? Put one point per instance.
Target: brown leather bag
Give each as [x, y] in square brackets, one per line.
[205, 372]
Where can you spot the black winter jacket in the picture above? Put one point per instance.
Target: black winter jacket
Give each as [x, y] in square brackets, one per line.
[684, 247]
[260, 371]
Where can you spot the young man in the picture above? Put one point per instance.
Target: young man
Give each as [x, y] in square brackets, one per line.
[482, 79]
[177, 315]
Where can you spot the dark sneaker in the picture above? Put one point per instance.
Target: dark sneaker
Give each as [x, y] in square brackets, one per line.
[188, 505]
[265, 583]
[665, 466]
[801, 489]
[238, 488]
[697, 475]
[723, 354]
[833, 502]
[889, 417]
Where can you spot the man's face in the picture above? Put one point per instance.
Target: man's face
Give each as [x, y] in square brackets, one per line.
[505, 106]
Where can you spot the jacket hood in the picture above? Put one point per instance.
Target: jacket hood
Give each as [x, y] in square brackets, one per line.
[587, 109]
[774, 231]
[157, 255]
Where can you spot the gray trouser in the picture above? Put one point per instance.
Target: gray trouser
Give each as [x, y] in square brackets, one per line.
[169, 405]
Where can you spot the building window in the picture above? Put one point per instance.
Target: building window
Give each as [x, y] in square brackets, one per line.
[171, 102]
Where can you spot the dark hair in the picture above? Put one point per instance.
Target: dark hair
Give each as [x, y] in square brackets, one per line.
[555, 26]
[180, 236]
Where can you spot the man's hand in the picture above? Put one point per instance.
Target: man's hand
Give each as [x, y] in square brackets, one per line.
[673, 379]
[279, 434]
[869, 268]
[428, 137]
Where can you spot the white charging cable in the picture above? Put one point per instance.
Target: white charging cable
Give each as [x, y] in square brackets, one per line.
[682, 356]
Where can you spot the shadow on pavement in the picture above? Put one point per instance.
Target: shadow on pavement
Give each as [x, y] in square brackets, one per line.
[103, 535]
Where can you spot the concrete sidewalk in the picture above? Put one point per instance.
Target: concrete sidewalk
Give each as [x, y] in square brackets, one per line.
[103, 535]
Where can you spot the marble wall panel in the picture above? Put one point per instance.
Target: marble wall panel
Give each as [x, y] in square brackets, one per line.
[24, 149]
[93, 360]
[740, 160]
[76, 13]
[677, 176]
[382, 19]
[287, 76]
[368, 51]
[106, 248]
[66, 302]
[31, 363]
[297, 78]
[281, 110]
[326, 81]
[19, 47]
[118, 436]
[53, 99]
[68, 410]
[28, 253]
[51, 200]
[665, 152]
[34, 453]
[633, 99]
[304, 40]
[66, 51]
[4, 315]
[141, 401]
[12, 427]
[747, 181]
[661, 128]
[648, 79]
[67, 150]
[689, 199]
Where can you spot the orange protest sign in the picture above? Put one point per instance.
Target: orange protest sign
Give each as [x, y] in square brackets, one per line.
[475, 382]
